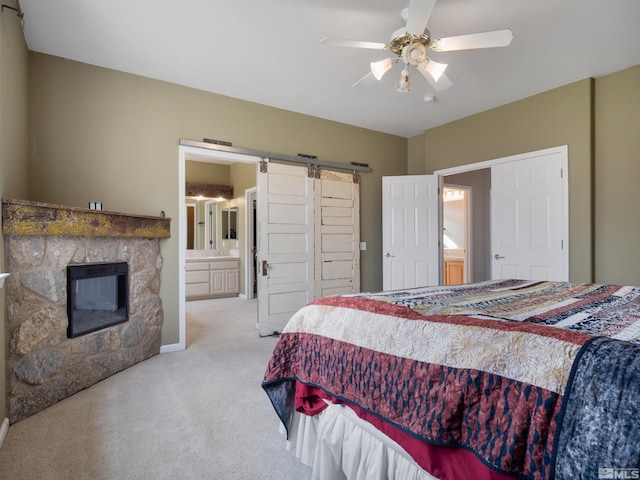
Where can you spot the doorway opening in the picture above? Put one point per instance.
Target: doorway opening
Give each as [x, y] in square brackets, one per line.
[456, 234]
[197, 154]
[478, 182]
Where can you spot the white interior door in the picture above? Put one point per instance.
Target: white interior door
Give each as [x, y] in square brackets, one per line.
[527, 219]
[410, 231]
[337, 217]
[285, 244]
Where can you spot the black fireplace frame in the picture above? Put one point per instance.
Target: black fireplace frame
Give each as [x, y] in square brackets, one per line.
[82, 271]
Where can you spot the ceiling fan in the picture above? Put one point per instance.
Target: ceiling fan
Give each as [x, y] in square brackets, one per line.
[411, 43]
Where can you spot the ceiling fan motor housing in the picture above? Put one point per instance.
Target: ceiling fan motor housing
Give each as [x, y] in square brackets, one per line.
[401, 38]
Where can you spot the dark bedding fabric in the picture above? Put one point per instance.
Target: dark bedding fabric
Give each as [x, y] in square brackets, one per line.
[529, 400]
[601, 426]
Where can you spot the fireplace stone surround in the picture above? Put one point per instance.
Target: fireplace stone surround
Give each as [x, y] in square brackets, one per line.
[43, 366]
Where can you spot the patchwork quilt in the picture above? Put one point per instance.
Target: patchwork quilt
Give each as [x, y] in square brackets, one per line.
[531, 377]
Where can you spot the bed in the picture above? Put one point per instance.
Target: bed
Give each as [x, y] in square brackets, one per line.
[492, 380]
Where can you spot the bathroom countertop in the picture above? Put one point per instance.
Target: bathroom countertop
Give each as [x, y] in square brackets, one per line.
[212, 258]
[453, 254]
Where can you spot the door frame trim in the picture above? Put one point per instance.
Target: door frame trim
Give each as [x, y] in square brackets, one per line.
[563, 150]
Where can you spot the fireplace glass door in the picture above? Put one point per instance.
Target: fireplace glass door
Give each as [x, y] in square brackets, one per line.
[97, 296]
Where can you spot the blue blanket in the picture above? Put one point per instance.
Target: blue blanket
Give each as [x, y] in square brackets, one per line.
[600, 433]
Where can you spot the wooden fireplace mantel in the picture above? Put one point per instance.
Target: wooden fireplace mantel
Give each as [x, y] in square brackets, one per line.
[24, 217]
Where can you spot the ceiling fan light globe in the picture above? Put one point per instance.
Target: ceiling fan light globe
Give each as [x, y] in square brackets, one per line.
[434, 69]
[380, 68]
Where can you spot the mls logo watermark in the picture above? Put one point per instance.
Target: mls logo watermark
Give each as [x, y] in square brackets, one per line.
[623, 473]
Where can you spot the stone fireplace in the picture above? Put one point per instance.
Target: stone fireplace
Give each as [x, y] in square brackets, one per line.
[45, 365]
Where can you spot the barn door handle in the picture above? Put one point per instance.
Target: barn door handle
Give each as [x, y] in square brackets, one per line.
[265, 268]
[498, 256]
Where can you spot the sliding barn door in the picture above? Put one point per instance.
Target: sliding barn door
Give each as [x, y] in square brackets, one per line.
[337, 218]
[285, 243]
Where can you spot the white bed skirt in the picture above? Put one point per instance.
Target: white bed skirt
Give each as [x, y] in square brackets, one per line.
[339, 445]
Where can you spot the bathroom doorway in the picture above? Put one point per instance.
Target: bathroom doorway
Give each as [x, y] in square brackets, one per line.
[456, 234]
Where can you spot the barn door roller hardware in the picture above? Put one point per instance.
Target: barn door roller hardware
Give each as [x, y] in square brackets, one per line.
[18, 11]
[278, 156]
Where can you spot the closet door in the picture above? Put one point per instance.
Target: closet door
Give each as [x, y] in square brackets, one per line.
[337, 219]
[527, 218]
[285, 243]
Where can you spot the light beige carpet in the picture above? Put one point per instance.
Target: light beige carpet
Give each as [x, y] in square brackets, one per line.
[195, 414]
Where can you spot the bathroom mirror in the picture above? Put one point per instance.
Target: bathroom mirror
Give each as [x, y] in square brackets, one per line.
[195, 224]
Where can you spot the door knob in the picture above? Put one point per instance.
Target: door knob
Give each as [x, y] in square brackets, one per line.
[387, 254]
[498, 256]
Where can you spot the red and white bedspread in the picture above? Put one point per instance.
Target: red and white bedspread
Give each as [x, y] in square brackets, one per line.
[493, 372]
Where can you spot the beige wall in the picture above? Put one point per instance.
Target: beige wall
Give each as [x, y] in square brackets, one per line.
[111, 136]
[205, 172]
[416, 155]
[13, 139]
[617, 178]
[559, 117]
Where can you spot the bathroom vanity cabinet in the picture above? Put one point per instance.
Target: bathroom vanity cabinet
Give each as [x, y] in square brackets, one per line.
[212, 277]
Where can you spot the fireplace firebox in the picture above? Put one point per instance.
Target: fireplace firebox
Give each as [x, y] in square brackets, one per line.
[97, 296]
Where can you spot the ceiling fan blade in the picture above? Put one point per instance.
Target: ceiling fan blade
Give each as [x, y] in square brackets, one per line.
[441, 84]
[496, 38]
[368, 79]
[333, 42]
[418, 15]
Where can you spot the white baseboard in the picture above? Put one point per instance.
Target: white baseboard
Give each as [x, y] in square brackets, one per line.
[4, 428]
[173, 347]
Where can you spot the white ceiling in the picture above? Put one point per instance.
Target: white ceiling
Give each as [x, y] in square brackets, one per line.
[269, 51]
